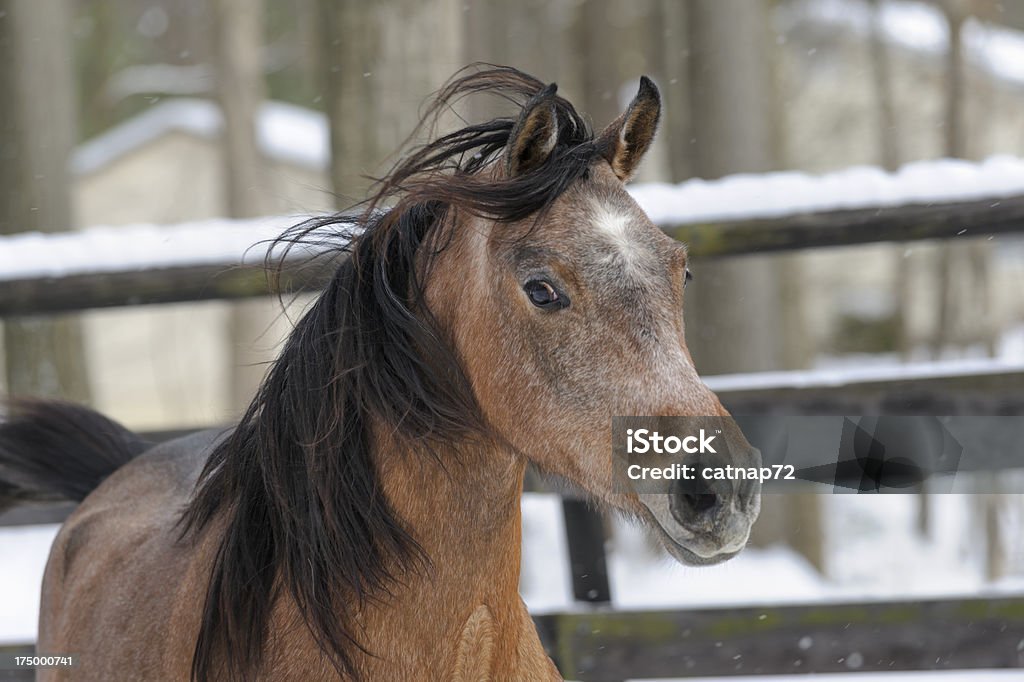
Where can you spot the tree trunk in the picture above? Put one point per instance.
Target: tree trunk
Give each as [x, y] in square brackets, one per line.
[422, 43]
[541, 37]
[677, 127]
[240, 92]
[963, 281]
[733, 310]
[738, 310]
[545, 38]
[238, 41]
[881, 78]
[612, 38]
[955, 147]
[308, 32]
[349, 38]
[380, 61]
[962, 274]
[890, 159]
[44, 357]
[995, 551]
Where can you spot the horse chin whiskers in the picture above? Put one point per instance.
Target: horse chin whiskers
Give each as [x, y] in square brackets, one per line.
[702, 551]
[696, 546]
[689, 557]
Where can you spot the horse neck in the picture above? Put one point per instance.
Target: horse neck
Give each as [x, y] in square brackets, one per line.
[464, 509]
[463, 506]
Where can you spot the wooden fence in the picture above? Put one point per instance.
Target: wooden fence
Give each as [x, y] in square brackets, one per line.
[227, 280]
[600, 644]
[604, 645]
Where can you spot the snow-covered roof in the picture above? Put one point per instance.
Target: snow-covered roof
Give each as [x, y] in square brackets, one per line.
[285, 132]
[915, 26]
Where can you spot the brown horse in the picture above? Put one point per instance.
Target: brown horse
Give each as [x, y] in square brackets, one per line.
[499, 299]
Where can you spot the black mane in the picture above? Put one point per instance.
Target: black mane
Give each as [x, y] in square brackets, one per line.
[295, 482]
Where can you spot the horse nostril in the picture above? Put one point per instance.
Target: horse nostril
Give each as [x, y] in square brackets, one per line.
[700, 502]
[693, 501]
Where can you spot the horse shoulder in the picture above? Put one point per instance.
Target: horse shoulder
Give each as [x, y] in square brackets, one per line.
[479, 653]
[475, 651]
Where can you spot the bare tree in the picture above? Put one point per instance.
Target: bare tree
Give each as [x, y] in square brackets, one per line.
[955, 12]
[377, 72]
[739, 310]
[962, 273]
[881, 79]
[349, 39]
[992, 507]
[238, 41]
[675, 87]
[307, 30]
[541, 37]
[734, 321]
[890, 158]
[240, 92]
[44, 357]
[604, 71]
[413, 63]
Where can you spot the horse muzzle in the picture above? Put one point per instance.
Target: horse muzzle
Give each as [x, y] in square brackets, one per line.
[706, 520]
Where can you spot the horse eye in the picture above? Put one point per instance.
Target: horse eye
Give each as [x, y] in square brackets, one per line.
[687, 278]
[543, 295]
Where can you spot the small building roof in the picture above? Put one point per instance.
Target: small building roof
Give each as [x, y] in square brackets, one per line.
[285, 132]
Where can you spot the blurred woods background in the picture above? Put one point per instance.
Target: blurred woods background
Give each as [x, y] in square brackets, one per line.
[117, 112]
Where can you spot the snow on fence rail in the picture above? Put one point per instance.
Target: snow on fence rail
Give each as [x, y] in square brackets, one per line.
[742, 214]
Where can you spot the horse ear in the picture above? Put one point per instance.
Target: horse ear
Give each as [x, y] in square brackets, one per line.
[627, 139]
[534, 135]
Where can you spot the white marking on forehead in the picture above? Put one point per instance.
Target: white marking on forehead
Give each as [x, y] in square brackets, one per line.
[614, 224]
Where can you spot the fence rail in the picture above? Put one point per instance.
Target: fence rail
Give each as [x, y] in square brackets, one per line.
[610, 646]
[854, 226]
[979, 388]
[228, 280]
[603, 645]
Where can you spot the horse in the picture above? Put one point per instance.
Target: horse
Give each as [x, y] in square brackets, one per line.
[496, 299]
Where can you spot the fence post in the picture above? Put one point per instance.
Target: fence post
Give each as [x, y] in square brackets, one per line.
[584, 530]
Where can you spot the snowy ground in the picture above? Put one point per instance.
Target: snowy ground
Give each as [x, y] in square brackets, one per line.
[874, 554]
[24, 551]
[930, 676]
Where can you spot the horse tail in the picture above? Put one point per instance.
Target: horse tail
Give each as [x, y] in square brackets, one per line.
[52, 450]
